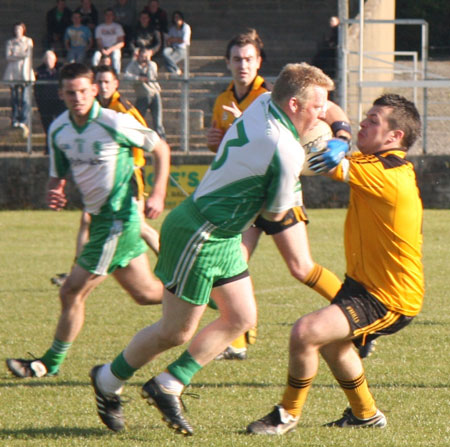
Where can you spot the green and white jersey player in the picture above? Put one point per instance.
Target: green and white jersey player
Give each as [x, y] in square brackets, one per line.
[98, 155]
[95, 143]
[255, 170]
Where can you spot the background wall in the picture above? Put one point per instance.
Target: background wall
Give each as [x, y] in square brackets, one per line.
[23, 182]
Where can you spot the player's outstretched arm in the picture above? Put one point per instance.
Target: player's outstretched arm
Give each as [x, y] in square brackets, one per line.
[56, 198]
[337, 119]
[155, 203]
[324, 161]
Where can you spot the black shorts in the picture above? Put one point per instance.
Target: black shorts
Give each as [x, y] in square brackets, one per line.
[293, 217]
[368, 317]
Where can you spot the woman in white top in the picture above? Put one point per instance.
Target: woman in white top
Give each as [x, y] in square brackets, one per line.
[19, 72]
[178, 39]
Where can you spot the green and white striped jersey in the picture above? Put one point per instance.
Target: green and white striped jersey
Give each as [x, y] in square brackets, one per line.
[256, 168]
[99, 156]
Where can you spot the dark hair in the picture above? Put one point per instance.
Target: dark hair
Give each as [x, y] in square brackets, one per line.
[109, 10]
[75, 70]
[22, 25]
[248, 37]
[404, 116]
[179, 13]
[106, 69]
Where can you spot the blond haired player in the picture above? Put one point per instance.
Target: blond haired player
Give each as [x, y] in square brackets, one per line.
[256, 169]
[244, 56]
[384, 284]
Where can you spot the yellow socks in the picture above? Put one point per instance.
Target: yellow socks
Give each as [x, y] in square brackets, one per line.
[240, 342]
[323, 281]
[359, 396]
[295, 394]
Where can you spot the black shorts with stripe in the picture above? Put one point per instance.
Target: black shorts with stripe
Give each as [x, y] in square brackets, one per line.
[293, 216]
[368, 317]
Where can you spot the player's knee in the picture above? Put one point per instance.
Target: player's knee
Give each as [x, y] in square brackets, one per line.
[242, 322]
[173, 337]
[150, 296]
[69, 297]
[300, 270]
[303, 332]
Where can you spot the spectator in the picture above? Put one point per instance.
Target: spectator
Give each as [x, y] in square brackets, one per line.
[144, 72]
[46, 92]
[325, 57]
[110, 39]
[158, 17]
[78, 39]
[89, 14]
[125, 12]
[19, 72]
[145, 35]
[178, 40]
[58, 19]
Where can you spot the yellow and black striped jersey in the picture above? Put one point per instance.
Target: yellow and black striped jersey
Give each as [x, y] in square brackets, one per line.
[383, 228]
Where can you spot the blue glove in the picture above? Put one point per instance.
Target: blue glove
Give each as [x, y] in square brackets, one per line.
[330, 158]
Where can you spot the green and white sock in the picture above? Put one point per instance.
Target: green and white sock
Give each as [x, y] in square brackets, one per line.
[55, 356]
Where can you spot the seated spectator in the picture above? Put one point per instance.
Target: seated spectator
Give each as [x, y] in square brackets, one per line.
[125, 12]
[144, 72]
[89, 14]
[58, 19]
[145, 36]
[158, 17]
[78, 40]
[178, 41]
[110, 39]
[46, 90]
[19, 72]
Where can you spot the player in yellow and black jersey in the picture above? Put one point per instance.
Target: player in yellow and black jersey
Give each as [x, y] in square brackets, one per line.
[384, 284]
[244, 56]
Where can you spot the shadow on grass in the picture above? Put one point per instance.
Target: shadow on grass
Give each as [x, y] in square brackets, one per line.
[54, 433]
[48, 382]
[39, 383]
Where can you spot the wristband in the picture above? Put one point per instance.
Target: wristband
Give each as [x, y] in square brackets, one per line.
[341, 125]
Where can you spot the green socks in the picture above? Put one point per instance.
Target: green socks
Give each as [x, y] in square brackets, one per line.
[121, 369]
[54, 357]
[184, 368]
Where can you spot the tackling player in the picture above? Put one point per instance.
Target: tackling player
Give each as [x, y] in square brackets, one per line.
[256, 168]
[384, 284]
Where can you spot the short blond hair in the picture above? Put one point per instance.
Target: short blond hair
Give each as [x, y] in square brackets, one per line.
[297, 80]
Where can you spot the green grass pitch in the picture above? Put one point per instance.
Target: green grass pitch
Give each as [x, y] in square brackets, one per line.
[408, 374]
